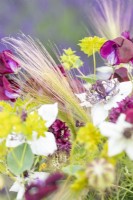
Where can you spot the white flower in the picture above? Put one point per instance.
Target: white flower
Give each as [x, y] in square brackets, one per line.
[120, 136]
[99, 110]
[49, 113]
[43, 145]
[19, 185]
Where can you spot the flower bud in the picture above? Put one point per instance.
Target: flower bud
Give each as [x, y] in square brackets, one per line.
[100, 173]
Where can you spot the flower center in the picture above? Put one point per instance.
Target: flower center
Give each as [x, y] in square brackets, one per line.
[128, 132]
[99, 88]
[102, 91]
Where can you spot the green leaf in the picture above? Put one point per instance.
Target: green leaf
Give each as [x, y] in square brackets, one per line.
[89, 79]
[71, 169]
[20, 159]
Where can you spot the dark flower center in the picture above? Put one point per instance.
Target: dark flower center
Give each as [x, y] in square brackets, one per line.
[128, 132]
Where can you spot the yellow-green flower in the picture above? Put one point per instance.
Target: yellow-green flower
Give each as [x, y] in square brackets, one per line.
[34, 122]
[9, 122]
[90, 136]
[90, 45]
[81, 181]
[70, 60]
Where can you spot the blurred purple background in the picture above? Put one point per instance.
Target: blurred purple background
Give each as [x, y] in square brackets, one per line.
[60, 22]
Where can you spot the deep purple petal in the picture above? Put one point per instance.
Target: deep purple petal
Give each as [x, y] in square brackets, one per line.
[107, 48]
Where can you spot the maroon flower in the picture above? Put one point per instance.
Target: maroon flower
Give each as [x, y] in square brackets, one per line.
[121, 74]
[123, 107]
[119, 50]
[62, 135]
[62, 70]
[7, 64]
[8, 89]
[42, 189]
[129, 116]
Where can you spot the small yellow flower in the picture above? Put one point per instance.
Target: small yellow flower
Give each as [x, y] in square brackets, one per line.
[70, 60]
[42, 167]
[90, 136]
[90, 45]
[34, 122]
[9, 122]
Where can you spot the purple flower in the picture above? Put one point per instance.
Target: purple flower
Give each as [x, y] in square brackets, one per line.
[8, 89]
[129, 116]
[119, 50]
[121, 74]
[42, 189]
[123, 107]
[62, 135]
[7, 64]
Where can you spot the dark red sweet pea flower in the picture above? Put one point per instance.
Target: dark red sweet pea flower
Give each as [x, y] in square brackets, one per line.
[8, 89]
[7, 64]
[119, 50]
[42, 189]
[121, 74]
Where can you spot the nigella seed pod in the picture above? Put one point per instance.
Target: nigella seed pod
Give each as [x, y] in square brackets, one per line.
[101, 174]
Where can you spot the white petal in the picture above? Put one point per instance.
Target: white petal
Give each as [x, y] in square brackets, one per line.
[98, 113]
[44, 145]
[20, 193]
[81, 96]
[115, 146]
[86, 104]
[109, 129]
[19, 188]
[14, 140]
[39, 176]
[129, 150]
[15, 187]
[125, 88]
[49, 113]
[104, 72]
[112, 58]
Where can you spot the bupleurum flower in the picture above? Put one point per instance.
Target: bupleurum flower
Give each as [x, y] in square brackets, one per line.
[89, 135]
[90, 45]
[70, 60]
[100, 173]
[62, 135]
[123, 107]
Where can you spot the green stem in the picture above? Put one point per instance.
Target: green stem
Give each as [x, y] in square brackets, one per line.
[94, 61]
[80, 72]
[123, 188]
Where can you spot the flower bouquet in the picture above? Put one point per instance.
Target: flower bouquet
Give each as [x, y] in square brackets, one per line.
[65, 134]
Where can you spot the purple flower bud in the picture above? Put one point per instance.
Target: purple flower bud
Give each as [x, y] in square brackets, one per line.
[8, 89]
[7, 64]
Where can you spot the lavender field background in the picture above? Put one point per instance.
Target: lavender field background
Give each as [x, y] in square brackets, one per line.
[55, 22]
